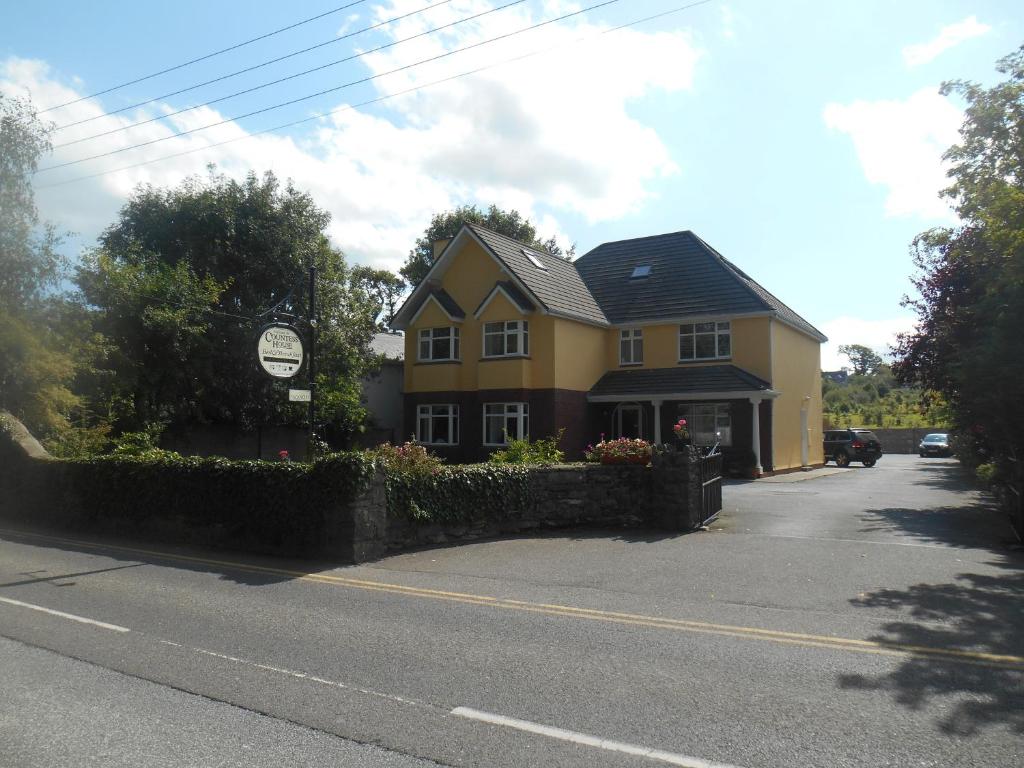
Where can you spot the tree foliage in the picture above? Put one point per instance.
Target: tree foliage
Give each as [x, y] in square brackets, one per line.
[968, 343]
[183, 281]
[445, 225]
[29, 260]
[383, 288]
[864, 359]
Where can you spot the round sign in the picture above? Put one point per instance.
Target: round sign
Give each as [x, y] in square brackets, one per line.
[280, 351]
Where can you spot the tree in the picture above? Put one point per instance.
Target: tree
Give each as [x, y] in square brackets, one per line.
[384, 288]
[29, 261]
[185, 278]
[444, 226]
[864, 360]
[968, 344]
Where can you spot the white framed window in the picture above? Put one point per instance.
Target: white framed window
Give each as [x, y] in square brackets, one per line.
[439, 344]
[437, 424]
[708, 423]
[506, 338]
[705, 341]
[631, 346]
[506, 421]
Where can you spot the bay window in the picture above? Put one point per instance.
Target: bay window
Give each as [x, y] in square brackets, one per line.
[439, 344]
[506, 421]
[705, 341]
[506, 338]
[437, 424]
[708, 423]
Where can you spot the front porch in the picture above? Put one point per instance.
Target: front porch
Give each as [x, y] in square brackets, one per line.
[721, 403]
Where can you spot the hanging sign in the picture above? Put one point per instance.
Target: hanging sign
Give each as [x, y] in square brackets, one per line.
[279, 351]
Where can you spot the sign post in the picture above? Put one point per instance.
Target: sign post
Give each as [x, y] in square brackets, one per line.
[311, 448]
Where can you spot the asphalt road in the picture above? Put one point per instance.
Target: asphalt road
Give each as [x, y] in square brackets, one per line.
[870, 617]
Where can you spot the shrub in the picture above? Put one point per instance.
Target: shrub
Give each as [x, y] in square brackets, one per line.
[624, 450]
[463, 494]
[987, 473]
[138, 443]
[539, 452]
[410, 457]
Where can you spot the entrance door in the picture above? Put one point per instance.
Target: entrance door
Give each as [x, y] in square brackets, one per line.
[629, 421]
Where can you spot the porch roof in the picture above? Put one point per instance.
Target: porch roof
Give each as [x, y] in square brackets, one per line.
[681, 383]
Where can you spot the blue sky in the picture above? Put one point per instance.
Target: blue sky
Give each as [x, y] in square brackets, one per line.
[801, 139]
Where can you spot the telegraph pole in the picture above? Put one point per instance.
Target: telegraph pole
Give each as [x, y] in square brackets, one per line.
[310, 448]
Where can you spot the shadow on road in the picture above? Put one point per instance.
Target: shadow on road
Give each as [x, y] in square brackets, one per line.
[976, 612]
[241, 568]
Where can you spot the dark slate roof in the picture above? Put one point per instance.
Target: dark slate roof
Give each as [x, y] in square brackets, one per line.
[446, 301]
[688, 278]
[391, 345]
[559, 287]
[513, 291]
[678, 381]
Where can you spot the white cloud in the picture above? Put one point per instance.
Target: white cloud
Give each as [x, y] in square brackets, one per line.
[550, 135]
[948, 37]
[879, 335]
[900, 146]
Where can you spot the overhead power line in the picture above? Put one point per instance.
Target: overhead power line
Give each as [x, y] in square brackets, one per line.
[291, 77]
[205, 57]
[262, 64]
[386, 97]
[367, 79]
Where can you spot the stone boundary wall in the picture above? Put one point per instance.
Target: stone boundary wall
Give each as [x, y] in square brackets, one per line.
[903, 440]
[664, 496]
[38, 491]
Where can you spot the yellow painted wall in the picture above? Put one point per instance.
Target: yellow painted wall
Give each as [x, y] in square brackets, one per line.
[796, 373]
[751, 347]
[468, 279]
[578, 355]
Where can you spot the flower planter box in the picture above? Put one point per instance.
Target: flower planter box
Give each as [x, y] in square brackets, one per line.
[640, 460]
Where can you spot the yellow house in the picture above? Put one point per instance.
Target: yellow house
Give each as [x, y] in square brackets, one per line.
[506, 340]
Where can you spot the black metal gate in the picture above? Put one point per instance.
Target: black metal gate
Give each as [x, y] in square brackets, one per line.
[710, 487]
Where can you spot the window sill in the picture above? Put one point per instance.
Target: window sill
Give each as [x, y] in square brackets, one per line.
[437, 445]
[438, 362]
[503, 357]
[706, 360]
[631, 365]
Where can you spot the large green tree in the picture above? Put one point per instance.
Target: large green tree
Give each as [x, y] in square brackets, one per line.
[968, 344]
[445, 225]
[186, 276]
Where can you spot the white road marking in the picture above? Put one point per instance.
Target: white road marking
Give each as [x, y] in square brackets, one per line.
[73, 617]
[302, 676]
[586, 740]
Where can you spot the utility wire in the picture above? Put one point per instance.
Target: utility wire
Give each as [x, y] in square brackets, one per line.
[291, 77]
[370, 78]
[379, 99]
[252, 68]
[204, 58]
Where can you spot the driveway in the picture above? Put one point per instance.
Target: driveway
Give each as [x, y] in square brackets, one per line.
[864, 618]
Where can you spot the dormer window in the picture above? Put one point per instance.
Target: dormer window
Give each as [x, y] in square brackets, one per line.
[641, 271]
[534, 258]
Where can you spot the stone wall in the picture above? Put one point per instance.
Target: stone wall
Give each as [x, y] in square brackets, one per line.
[903, 440]
[663, 496]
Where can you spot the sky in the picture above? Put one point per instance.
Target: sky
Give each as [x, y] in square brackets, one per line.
[803, 140]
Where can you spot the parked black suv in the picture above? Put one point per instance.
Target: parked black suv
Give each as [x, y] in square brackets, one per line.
[846, 445]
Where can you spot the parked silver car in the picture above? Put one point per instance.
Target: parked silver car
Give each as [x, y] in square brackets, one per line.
[936, 444]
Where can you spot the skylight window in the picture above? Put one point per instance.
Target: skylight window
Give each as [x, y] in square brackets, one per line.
[644, 271]
[534, 259]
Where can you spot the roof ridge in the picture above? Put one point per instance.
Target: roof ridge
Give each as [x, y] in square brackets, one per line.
[532, 247]
[634, 239]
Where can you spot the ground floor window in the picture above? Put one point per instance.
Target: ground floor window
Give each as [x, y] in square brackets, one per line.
[437, 424]
[709, 423]
[506, 421]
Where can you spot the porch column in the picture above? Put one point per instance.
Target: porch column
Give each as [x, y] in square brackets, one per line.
[755, 403]
[657, 421]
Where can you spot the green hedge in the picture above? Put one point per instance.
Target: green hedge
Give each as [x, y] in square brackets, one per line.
[458, 494]
[250, 505]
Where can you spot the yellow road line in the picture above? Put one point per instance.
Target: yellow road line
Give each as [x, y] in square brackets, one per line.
[979, 658]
